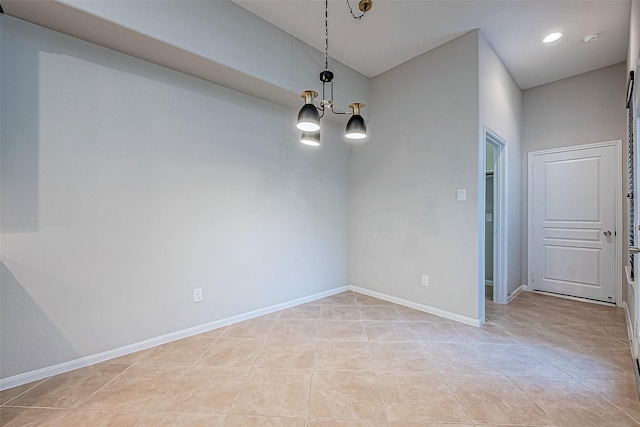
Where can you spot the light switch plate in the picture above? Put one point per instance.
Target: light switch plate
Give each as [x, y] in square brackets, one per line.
[462, 194]
[425, 280]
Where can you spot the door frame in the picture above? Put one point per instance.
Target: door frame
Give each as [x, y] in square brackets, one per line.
[499, 218]
[499, 215]
[618, 226]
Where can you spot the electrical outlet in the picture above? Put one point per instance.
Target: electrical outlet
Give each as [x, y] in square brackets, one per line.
[425, 280]
[197, 295]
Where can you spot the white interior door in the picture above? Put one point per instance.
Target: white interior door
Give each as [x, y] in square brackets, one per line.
[573, 208]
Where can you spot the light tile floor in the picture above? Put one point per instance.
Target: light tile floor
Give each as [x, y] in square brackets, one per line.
[356, 361]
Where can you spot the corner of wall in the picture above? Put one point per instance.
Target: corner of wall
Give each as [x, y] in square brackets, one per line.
[405, 220]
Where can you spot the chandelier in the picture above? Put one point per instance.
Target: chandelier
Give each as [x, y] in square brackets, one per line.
[310, 114]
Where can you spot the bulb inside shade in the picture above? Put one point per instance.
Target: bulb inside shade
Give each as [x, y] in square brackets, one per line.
[308, 126]
[308, 118]
[310, 138]
[356, 128]
[356, 135]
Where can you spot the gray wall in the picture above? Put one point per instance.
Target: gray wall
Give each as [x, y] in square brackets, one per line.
[125, 185]
[578, 110]
[423, 146]
[634, 37]
[501, 111]
[203, 39]
[427, 141]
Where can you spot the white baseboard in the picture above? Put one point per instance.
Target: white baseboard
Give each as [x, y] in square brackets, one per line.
[515, 293]
[633, 341]
[627, 272]
[421, 307]
[572, 298]
[628, 319]
[82, 362]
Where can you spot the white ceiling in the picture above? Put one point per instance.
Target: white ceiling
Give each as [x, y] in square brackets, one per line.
[395, 31]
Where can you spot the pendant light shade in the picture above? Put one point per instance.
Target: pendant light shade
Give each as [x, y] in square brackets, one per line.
[310, 138]
[308, 117]
[356, 128]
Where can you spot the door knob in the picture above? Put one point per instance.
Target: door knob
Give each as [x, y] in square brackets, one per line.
[607, 233]
[634, 251]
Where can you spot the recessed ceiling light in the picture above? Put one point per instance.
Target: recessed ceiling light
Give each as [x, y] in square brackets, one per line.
[591, 37]
[552, 37]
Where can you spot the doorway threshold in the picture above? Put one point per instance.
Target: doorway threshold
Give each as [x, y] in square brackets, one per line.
[573, 298]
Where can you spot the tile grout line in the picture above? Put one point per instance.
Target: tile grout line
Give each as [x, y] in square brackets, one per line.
[186, 368]
[455, 396]
[146, 414]
[378, 387]
[251, 368]
[195, 363]
[27, 390]
[39, 407]
[605, 397]
[106, 384]
[533, 401]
